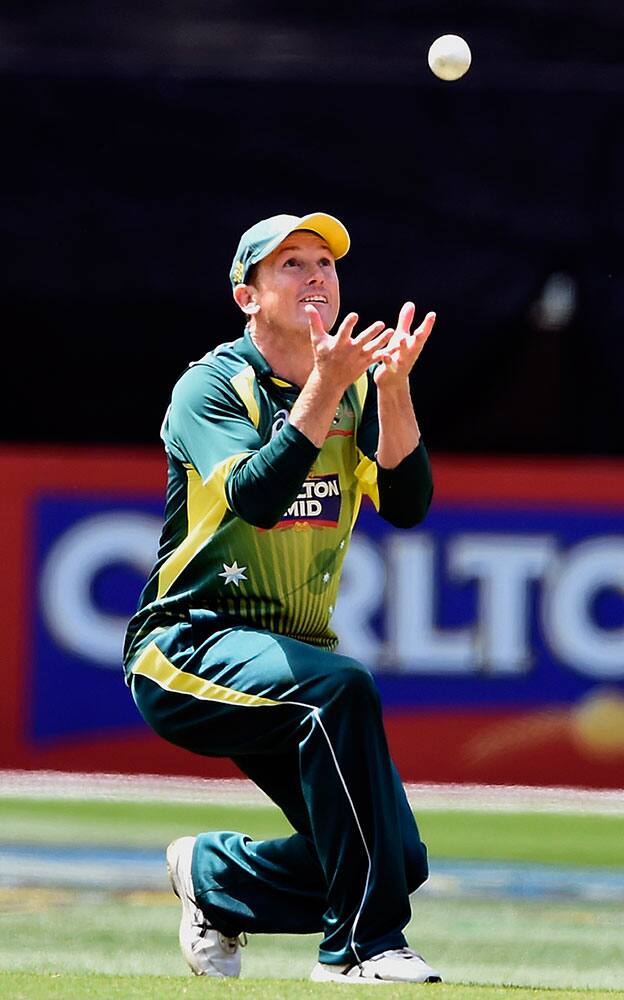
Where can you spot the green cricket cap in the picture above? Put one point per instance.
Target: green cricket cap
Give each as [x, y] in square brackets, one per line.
[265, 236]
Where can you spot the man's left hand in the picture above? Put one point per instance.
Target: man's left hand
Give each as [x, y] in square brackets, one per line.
[400, 354]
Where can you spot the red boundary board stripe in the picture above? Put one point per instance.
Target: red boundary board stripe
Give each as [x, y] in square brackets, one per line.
[476, 479]
[562, 482]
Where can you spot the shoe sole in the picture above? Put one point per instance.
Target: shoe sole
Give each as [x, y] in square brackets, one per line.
[367, 981]
[172, 870]
[175, 883]
[172, 856]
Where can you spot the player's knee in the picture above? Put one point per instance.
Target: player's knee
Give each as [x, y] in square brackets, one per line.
[416, 864]
[352, 680]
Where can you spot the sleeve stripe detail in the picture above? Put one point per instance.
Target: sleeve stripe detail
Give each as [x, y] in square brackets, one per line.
[153, 663]
[243, 383]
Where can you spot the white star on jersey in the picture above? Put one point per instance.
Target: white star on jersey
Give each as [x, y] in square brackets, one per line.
[234, 573]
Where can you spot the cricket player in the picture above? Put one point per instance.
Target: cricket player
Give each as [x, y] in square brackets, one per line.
[271, 441]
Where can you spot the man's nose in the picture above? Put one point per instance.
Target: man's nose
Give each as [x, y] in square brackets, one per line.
[315, 273]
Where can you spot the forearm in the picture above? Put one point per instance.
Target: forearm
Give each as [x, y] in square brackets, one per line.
[399, 434]
[316, 407]
[264, 485]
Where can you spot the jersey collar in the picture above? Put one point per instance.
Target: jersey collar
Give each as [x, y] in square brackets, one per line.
[250, 353]
[259, 363]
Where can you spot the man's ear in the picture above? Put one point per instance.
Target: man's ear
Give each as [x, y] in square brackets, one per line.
[245, 298]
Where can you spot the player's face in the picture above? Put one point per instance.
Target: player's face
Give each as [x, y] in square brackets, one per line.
[301, 270]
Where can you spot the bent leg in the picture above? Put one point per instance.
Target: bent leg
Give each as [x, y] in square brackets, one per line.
[289, 891]
[250, 694]
[260, 886]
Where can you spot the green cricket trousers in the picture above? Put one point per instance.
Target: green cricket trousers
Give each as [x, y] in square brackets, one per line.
[306, 726]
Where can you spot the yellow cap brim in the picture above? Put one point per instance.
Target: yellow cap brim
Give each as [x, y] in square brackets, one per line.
[329, 228]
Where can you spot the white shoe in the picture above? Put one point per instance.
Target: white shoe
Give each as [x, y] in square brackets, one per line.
[401, 965]
[208, 952]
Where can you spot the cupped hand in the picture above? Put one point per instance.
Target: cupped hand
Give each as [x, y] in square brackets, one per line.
[400, 354]
[341, 358]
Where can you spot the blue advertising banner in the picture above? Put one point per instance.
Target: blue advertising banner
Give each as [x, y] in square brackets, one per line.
[495, 630]
[91, 561]
[488, 607]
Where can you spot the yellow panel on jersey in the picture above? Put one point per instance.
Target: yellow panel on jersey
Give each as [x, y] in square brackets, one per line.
[366, 475]
[361, 389]
[207, 505]
[153, 663]
[243, 382]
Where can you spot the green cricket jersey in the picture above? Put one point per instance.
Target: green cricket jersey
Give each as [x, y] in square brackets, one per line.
[257, 519]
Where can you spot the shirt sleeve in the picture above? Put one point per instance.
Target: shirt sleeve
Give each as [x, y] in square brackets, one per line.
[208, 424]
[405, 492]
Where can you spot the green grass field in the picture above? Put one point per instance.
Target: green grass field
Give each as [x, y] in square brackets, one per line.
[585, 839]
[67, 943]
[18, 986]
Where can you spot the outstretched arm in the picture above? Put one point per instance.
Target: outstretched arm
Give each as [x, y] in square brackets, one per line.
[399, 434]
[390, 431]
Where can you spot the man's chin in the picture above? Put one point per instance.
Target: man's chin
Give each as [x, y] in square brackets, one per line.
[326, 312]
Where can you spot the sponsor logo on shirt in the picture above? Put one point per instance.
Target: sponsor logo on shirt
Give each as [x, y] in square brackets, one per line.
[280, 419]
[343, 422]
[317, 503]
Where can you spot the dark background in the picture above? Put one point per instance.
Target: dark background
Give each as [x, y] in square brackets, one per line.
[140, 140]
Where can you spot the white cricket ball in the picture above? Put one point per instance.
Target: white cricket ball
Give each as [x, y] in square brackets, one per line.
[449, 57]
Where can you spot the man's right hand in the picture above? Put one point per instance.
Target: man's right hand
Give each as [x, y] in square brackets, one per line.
[340, 358]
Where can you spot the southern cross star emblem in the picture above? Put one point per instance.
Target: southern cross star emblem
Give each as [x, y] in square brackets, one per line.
[234, 573]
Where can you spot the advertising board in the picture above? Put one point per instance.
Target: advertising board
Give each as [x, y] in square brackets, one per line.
[495, 630]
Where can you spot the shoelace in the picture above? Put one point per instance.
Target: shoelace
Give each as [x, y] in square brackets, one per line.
[229, 943]
[233, 942]
[357, 970]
